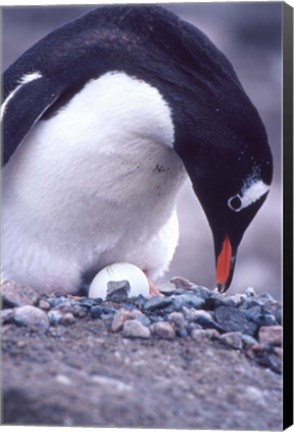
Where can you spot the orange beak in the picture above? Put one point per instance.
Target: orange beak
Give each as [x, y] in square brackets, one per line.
[224, 265]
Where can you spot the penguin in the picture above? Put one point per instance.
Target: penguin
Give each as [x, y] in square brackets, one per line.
[103, 121]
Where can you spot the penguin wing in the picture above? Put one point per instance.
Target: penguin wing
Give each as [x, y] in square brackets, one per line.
[23, 107]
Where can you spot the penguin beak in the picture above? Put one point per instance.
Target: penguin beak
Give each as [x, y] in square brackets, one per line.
[225, 264]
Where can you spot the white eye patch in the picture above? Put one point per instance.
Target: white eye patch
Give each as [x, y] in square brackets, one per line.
[248, 195]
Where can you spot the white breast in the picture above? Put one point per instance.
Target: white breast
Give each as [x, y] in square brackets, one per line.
[97, 178]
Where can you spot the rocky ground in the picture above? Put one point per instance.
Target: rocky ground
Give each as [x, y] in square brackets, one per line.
[189, 359]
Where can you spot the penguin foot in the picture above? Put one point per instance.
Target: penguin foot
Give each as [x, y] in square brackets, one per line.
[153, 290]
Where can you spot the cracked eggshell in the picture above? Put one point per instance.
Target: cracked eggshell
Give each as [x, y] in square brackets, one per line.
[119, 272]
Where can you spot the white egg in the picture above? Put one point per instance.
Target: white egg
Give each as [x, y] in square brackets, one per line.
[118, 272]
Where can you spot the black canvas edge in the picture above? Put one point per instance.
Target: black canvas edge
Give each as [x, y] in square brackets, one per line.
[288, 215]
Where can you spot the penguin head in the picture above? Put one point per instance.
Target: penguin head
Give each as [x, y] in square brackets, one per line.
[229, 162]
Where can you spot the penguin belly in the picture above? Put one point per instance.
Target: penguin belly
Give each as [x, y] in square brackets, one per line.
[94, 184]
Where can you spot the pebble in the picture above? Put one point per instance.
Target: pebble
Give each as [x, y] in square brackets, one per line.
[15, 295]
[135, 329]
[167, 289]
[257, 315]
[204, 319]
[266, 297]
[248, 341]
[163, 329]
[186, 300]
[6, 316]
[193, 326]
[103, 312]
[271, 335]
[249, 302]
[31, 316]
[265, 355]
[232, 339]
[88, 303]
[118, 291]
[67, 319]
[216, 300]
[54, 317]
[119, 318]
[250, 292]
[55, 301]
[43, 304]
[156, 303]
[200, 335]
[180, 282]
[201, 291]
[178, 320]
[137, 301]
[231, 320]
[79, 311]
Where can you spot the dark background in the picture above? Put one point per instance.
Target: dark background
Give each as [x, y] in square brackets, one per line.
[249, 34]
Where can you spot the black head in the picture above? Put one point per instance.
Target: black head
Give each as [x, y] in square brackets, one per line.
[230, 165]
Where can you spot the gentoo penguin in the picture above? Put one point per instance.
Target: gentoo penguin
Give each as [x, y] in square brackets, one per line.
[103, 120]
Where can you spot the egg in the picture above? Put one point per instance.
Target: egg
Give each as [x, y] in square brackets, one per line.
[114, 276]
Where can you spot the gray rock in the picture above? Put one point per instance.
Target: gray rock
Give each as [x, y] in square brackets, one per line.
[200, 335]
[133, 328]
[67, 319]
[32, 317]
[186, 300]
[138, 315]
[157, 303]
[250, 292]
[204, 319]
[250, 302]
[193, 326]
[118, 291]
[55, 301]
[232, 339]
[177, 319]
[166, 288]
[15, 295]
[180, 282]
[43, 304]
[54, 317]
[265, 298]
[258, 316]
[119, 319]
[79, 311]
[248, 341]
[88, 303]
[201, 291]
[216, 300]
[6, 316]
[232, 320]
[136, 301]
[103, 312]
[265, 355]
[163, 329]
[271, 335]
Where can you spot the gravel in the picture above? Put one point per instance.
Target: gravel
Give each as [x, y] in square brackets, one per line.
[245, 323]
[240, 321]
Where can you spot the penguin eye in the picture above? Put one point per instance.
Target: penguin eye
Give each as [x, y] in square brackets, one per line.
[235, 203]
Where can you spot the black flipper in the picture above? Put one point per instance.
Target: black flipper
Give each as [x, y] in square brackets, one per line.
[23, 110]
